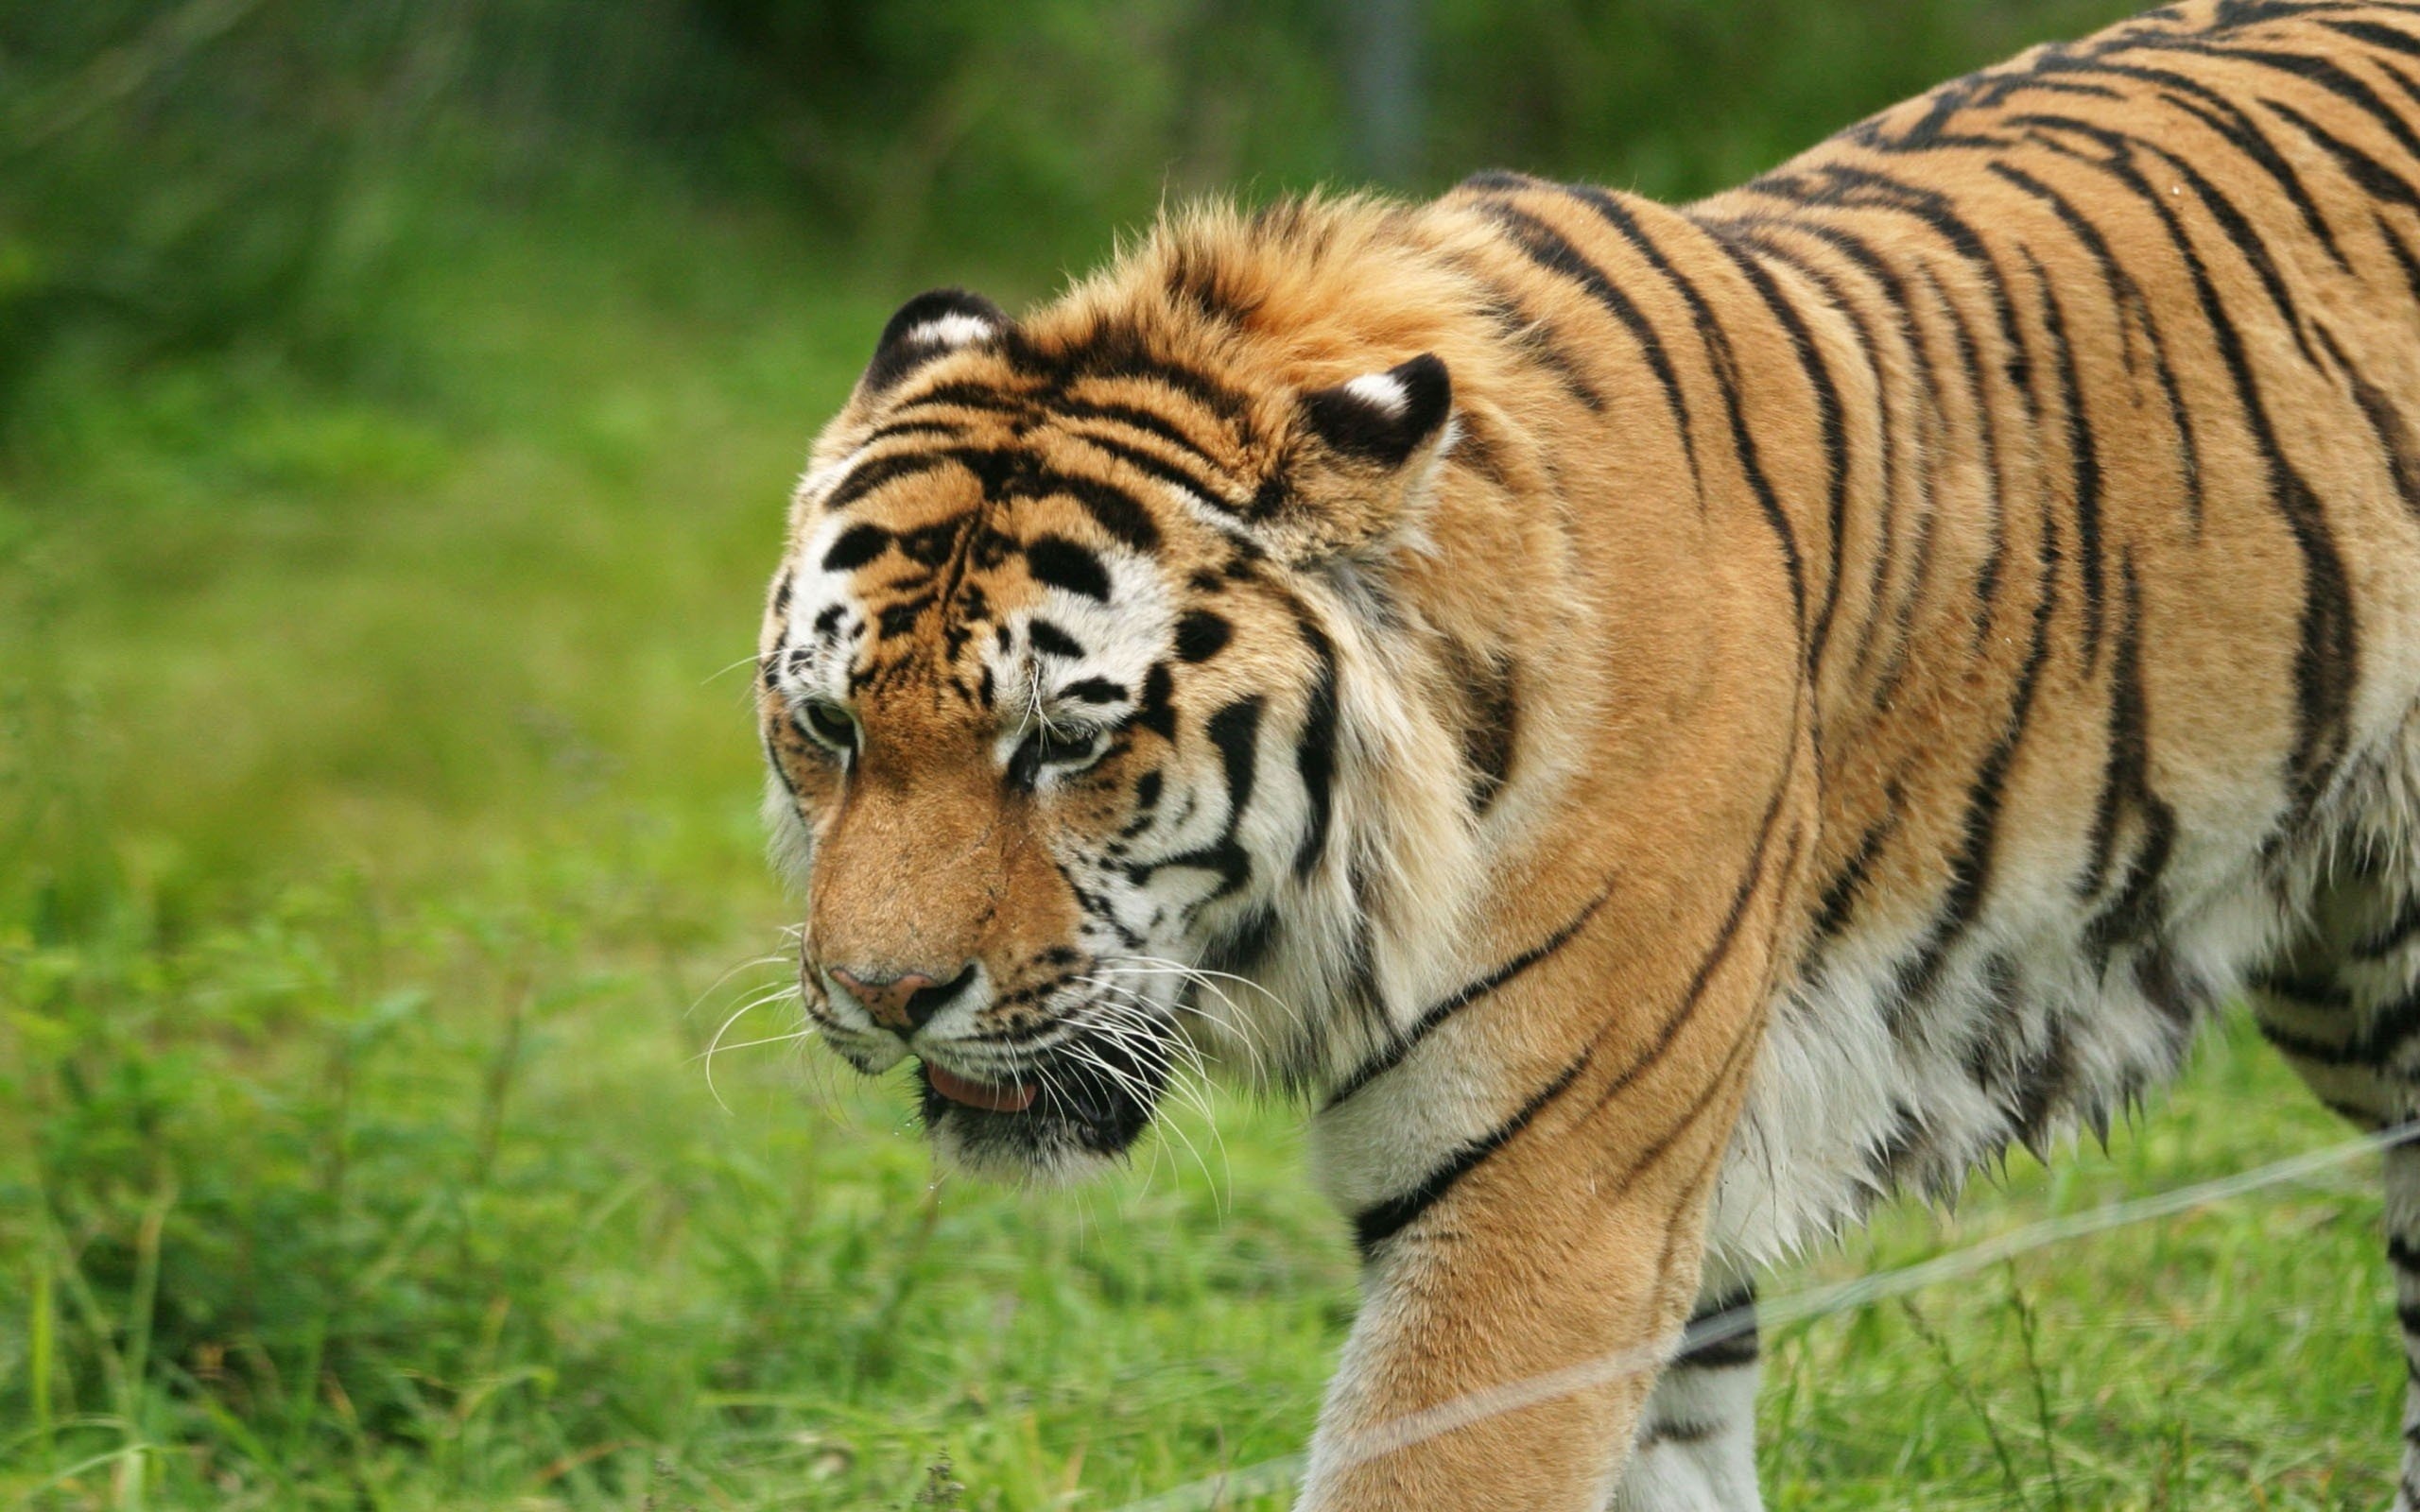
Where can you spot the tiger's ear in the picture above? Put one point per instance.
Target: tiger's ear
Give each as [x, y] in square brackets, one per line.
[1383, 418]
[926, 326]
[1368, 454]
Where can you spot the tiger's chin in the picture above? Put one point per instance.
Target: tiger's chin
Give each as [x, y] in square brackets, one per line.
[1048, 1132]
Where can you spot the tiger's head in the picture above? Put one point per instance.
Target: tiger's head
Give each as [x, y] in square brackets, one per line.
[1076, 689]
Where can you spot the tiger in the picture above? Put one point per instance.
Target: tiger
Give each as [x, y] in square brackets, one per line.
[1662, 727]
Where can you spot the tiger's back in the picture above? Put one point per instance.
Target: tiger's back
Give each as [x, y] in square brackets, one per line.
[1687, 720]
[2127, 679]
[2121, 718]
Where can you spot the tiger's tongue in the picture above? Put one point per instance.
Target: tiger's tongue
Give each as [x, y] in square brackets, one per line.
[1014, 1099]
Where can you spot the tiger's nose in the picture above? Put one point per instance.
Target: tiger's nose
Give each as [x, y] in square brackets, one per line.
[903, 1004]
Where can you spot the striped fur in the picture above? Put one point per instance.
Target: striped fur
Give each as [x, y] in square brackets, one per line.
[1666, 725]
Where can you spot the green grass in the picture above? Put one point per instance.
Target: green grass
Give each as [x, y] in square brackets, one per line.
[378, 858]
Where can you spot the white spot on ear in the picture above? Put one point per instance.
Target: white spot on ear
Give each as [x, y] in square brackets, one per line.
[1380, 392]
[954, 329]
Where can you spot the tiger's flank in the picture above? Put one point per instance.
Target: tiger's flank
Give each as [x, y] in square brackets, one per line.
[1663, 726]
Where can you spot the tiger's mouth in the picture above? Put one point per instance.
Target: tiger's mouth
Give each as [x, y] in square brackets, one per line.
[1013, 1097]
[1084, 1101]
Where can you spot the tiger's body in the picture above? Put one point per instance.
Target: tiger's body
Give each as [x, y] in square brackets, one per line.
[1690, 720]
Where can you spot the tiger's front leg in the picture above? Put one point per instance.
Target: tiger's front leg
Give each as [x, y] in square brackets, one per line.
[1509, 1339]
[1520, 1299]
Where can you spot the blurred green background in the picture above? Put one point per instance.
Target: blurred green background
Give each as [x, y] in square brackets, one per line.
[396, 406]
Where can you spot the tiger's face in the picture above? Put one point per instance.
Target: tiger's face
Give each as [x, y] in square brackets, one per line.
[1053, 719]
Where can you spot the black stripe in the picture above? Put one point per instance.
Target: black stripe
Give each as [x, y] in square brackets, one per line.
[2234, 124]
[2389, 1029]
[1116, 350]
[1315, 757]
[2134, 912]
[1050, 640]
[964, 393]
[945, 430]
[2124, 293]
[1491, 721]
[1547, 249]
[2409, 86]
[1057, 562]
[1828, 414]
[2236, 15]
[1726, 1353]
[1676, 1431]
[1970, 869]
[1894, 288]
[1009, 475]
[2396, 445]
[1930, 130]
[867, 477]
[2230, 218]
[2373, 177]
[1536, 342]
[1158, 712]
[780, 775]
[1507, 179]
[1716, 954]
[1137, 418]
[2326, 76]
[1235, 731]
[1475, 452]
[1886, 429]
[2241, 130]
[1748, 1037]
[1375, 1226]
[2405, 258]
[2128, 295]
[2392, 936]
[2311, 991]
[857, 547]
[2376, 35]
[1886, 684]
[1985, 419]
[1736, 1345]
[1148, 788]
[1839, 894]
[1114, 511]
[1426, 1023]
[1865, 189]
[1201, 635]
[1999, 87]
[2084, 461]
[1158, 467]
[1726, 363]
[2325, 660]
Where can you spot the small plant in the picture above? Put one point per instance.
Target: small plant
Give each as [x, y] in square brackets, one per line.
[941, 1490]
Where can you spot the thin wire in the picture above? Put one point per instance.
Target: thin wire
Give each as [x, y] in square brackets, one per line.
[1279, 1475]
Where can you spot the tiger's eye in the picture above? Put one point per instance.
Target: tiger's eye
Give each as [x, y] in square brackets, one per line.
[829, 725]
[1062, 747]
